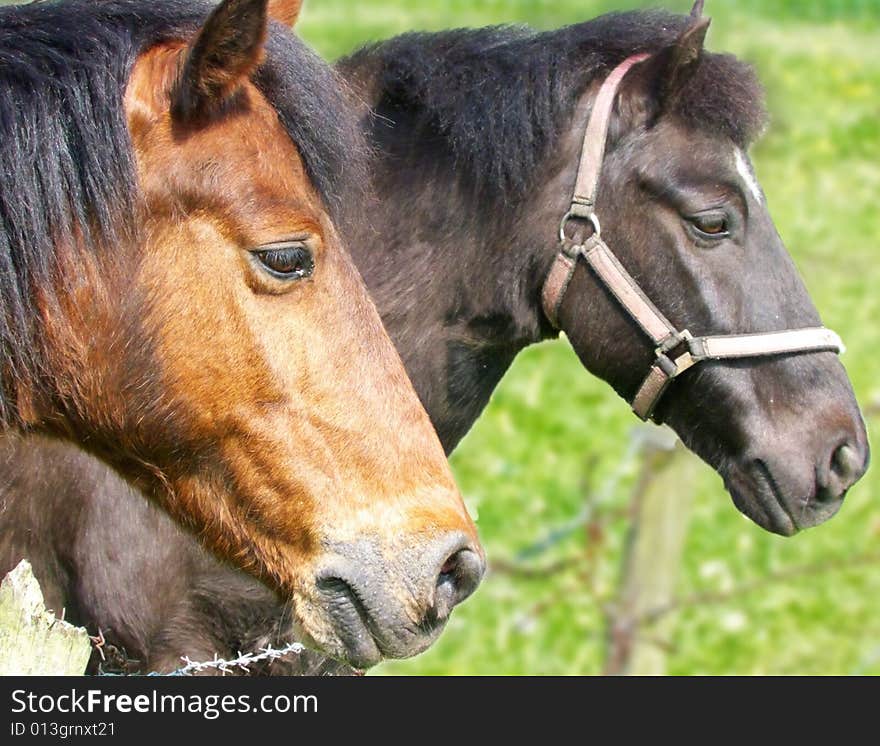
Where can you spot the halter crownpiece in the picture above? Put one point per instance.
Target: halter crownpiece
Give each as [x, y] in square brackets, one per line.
[676, 351]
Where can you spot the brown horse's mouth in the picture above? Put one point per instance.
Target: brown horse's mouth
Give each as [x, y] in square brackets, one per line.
[352, 624]
[365, 611]
[363, 644]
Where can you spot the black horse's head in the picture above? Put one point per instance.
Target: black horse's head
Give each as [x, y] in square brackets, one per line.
[682, 209]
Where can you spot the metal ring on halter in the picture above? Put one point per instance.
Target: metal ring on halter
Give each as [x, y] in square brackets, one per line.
[593, 218]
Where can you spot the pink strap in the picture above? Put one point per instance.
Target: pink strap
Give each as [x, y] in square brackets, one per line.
[596, 138]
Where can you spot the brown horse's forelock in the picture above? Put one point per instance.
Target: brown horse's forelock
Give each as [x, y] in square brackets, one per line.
[66, 157]
[499, 98]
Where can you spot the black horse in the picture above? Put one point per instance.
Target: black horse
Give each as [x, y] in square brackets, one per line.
[478, 135]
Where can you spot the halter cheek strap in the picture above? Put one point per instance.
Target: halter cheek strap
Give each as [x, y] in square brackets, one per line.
[676, 351]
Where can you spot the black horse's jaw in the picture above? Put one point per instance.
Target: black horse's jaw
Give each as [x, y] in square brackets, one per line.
[757, 497]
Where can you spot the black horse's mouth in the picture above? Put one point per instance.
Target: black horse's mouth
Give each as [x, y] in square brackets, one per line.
[763, 501]
[759, 492]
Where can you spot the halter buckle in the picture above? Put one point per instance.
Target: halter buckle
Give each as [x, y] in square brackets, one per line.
[571, 215]
[675, 356]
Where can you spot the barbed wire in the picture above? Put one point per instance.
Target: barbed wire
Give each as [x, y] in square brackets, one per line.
[241, 662]
[222, 665]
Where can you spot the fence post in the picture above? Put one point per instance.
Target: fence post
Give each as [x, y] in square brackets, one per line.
[651, 567]
[32, 641]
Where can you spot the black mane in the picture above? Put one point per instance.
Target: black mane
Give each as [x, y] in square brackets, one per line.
[499, 97]
[66, 162]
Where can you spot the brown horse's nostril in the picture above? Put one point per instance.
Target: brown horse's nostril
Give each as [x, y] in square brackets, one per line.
[459, 577]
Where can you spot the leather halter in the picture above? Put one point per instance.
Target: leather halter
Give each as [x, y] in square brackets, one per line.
[676, 351]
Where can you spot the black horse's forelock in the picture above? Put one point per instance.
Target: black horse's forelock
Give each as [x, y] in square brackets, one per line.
[499, 97]
[66, 162]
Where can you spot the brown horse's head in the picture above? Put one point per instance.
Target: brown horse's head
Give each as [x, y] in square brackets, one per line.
[221, 351]
[681, 207]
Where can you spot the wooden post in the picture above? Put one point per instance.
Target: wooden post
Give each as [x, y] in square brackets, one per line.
[32, 641]
[661, 512]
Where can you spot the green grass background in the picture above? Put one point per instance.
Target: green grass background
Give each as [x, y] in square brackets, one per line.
[527, 465]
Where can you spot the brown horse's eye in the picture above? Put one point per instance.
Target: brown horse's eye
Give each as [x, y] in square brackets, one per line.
[289, 261]
[711, 226]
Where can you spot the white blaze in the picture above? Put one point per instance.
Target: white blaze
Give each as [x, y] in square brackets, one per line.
[748, 175]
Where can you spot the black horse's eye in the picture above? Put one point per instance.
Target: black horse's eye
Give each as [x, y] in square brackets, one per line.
[287, 261]
[711, 226]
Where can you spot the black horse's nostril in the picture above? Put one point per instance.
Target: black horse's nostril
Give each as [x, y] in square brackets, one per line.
[459, 577]
[844, 468]
[846, 463]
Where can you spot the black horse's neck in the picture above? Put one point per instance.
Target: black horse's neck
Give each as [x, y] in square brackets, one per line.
[457, 280]
[451, 293]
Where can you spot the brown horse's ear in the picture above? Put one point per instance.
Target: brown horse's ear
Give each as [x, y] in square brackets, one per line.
[285, 11]
[227, 49]
[653, 87]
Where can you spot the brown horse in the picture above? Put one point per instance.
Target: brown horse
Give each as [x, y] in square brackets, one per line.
[475, 170]
[177, 301]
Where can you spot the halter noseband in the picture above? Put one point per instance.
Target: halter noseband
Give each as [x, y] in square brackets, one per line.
[676, 351]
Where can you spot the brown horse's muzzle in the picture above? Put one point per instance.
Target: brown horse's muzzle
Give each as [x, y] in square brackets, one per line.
[394, 605]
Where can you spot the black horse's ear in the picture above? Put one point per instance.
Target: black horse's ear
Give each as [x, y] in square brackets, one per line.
[680, 61]
[697, 10]
[285, 11]
[652, 87]
[227, 49]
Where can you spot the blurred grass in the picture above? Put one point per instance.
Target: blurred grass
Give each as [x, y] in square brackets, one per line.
[527, 464]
